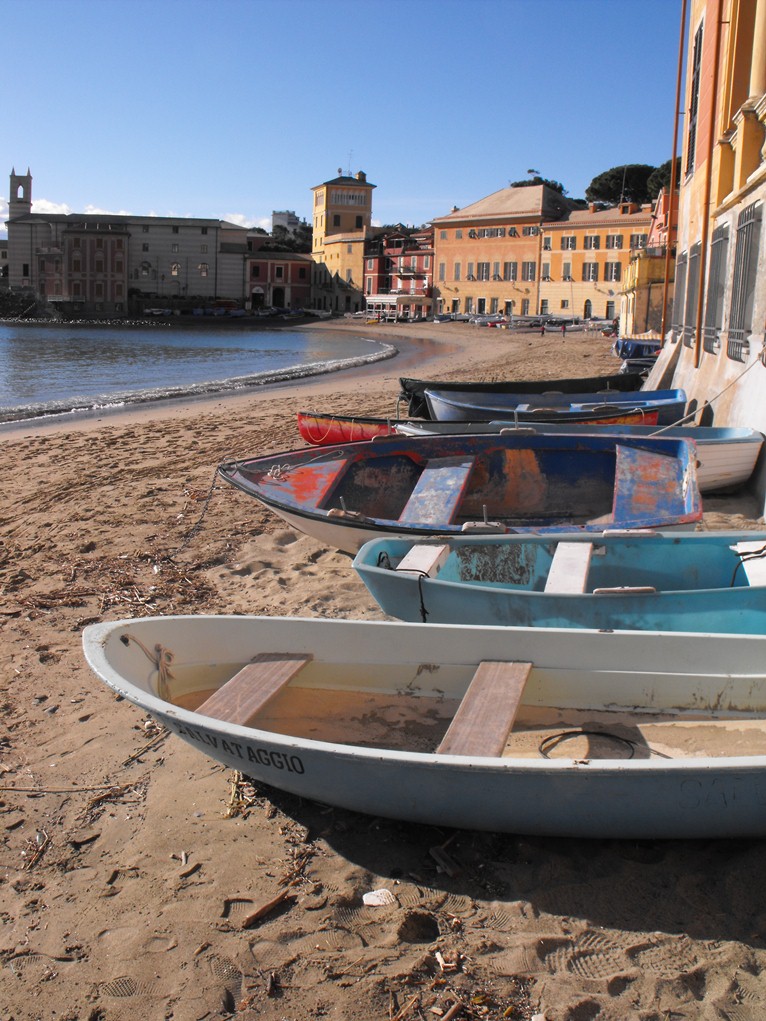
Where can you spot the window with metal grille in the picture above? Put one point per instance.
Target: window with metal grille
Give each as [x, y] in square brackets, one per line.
[715, 290]
[692, 290]
[691, 138]
[677, 318]
[743, 288]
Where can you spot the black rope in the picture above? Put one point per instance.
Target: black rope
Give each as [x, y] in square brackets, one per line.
[554, 740]
[756, 554]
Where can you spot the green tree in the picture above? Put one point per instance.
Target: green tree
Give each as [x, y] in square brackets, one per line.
[660, 178]
[529, 181]
[627, 183]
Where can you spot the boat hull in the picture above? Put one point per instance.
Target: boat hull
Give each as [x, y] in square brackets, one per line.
[639, 797]
[642, 581]
[413, 390]
[663, 407]
[447, 485]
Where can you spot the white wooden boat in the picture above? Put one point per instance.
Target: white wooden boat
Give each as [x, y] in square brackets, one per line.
[726, 455]
[540, 730]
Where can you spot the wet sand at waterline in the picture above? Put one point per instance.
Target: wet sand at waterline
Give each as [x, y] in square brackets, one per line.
[132, 865]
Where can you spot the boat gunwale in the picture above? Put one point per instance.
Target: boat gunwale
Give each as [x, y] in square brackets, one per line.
[95, 637]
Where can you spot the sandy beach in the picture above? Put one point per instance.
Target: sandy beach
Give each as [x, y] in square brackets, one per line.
[131, 864]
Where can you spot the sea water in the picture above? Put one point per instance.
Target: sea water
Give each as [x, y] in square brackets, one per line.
[73, 368]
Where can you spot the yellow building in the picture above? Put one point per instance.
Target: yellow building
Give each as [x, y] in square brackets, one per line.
[715, 348]
[584, 259]
[341, 221]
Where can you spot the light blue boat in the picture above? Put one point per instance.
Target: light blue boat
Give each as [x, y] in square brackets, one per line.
[712, 582]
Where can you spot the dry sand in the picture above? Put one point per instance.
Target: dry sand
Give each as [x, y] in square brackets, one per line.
[130, 861]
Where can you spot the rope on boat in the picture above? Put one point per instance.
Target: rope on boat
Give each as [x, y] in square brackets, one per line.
[384, 561]
[160, 658]
[745, 557]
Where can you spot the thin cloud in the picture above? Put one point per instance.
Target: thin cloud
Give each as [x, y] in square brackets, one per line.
[248, 221]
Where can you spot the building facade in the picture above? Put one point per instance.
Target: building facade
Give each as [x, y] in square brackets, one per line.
[276, 279]
[398, 274]
[715, 347]
[487, 255]
[98, 264]
[342, 217]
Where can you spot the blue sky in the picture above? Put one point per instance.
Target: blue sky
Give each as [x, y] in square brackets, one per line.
[234, 108]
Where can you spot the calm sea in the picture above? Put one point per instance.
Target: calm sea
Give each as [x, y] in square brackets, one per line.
[52, 370]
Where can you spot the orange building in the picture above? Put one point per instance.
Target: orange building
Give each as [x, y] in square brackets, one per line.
[487, 255]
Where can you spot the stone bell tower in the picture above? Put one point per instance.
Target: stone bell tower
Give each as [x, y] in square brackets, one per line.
[20, 201]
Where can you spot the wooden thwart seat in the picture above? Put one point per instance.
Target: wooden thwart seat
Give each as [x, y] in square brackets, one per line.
[568, 572]
[485, 716]
[249, 690]
[437, 493]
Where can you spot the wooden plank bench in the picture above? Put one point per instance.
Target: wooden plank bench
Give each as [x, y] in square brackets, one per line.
[423, 560]
[437, 493]
[568, 572]
[485, 716]
[249, 690]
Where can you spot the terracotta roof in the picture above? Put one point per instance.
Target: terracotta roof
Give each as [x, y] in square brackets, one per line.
[535, 200]
[605, 217]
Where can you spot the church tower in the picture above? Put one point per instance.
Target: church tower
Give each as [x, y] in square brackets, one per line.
[20, 201]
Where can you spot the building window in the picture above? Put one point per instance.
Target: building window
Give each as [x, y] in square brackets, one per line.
[75, 242]
[336, 220]
[174, 247]
[715, 288]
[679, 297]
[279, 272]
[566, 271]
[145, 230]
[745, 272]
[359, 223]
[469, 305]
[495, 270]
[493, 305]
[175, 269]
[471, 273]
[568, 243]
[301, 272]
[76, 268]
[349, 249]
[692, 289]
[610, 310]
[427, 262]
[590, 271]
[592, 242]
[118, 266]
[443, 235]
[203, 269]
[612, 271]
[458, 234]
[175, 230]
[203, 249]
[638, 240]
[614, 241]
[145, 247]
[547, 243]
[528, 271]
[456, 271]
[510, 271]
[204, 230]
[565, 303]
[544, 307]
[691, 138]
[482, 271]
[255, 271]
[442, 270]
[525, 306]
[370, 264]
[546, 271]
